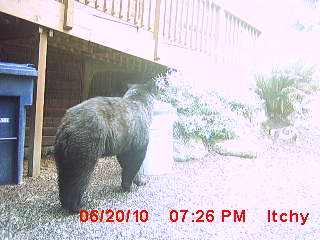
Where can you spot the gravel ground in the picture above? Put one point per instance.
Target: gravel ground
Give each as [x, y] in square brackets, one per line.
[282, 178]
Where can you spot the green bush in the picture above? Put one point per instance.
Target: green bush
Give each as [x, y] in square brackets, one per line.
[284, 90]
[203, 114]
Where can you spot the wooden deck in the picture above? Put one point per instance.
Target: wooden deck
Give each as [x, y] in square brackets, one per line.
[164, 31]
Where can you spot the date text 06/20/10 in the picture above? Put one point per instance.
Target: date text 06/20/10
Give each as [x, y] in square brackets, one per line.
[113, 215]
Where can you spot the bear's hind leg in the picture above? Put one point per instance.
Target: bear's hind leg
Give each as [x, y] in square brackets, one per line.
[74, 176]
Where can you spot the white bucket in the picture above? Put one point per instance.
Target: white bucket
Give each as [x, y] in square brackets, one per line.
[159, 156]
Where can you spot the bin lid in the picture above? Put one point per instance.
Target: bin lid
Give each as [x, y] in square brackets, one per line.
[161, 107]
[18, 69]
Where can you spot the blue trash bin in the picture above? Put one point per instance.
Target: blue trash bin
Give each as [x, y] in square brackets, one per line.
[16, 92]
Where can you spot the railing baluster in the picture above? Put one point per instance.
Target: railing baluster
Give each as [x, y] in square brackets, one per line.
[197, 26]
[218, 32]
[202, 26]
[164, 18]
[210, 26]
[231, 36]
[142, 14]
[128, 11]
[149, 15]
[200, 18]
[213, 27]
[120, 10]
[240, 41]
[192, 21]
[135, 12]
[245, 42]
[181, 21]
[176, 20]
[68, 14]
[227, 39]
[251, 42]
[105, 6]
[231, 39]
[187, 24]
[170, 17]
[112, 9]
[156, 29]
[253, 37]
[237, 40]
[206, 33]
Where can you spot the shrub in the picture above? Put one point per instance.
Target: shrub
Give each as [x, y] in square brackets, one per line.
[284, 91]
[203, 114]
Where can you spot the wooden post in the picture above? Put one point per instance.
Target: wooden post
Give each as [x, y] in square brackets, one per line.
[68, 14]
[37, 108]
[156, 30]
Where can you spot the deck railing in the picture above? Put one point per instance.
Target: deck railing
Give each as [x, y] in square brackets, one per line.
[239, 41]
[199, 25]
[140, 13]
[190, 23]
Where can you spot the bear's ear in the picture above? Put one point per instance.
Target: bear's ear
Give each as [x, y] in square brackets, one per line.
[146, 87]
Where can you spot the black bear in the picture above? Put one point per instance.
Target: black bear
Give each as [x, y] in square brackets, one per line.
[102, 126]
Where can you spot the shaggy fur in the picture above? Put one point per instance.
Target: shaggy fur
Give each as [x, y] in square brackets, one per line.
[102, 126]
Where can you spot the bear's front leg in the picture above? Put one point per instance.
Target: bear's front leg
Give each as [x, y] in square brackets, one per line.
[131, 163]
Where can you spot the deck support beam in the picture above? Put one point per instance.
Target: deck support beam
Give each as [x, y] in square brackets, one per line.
[37, 107]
